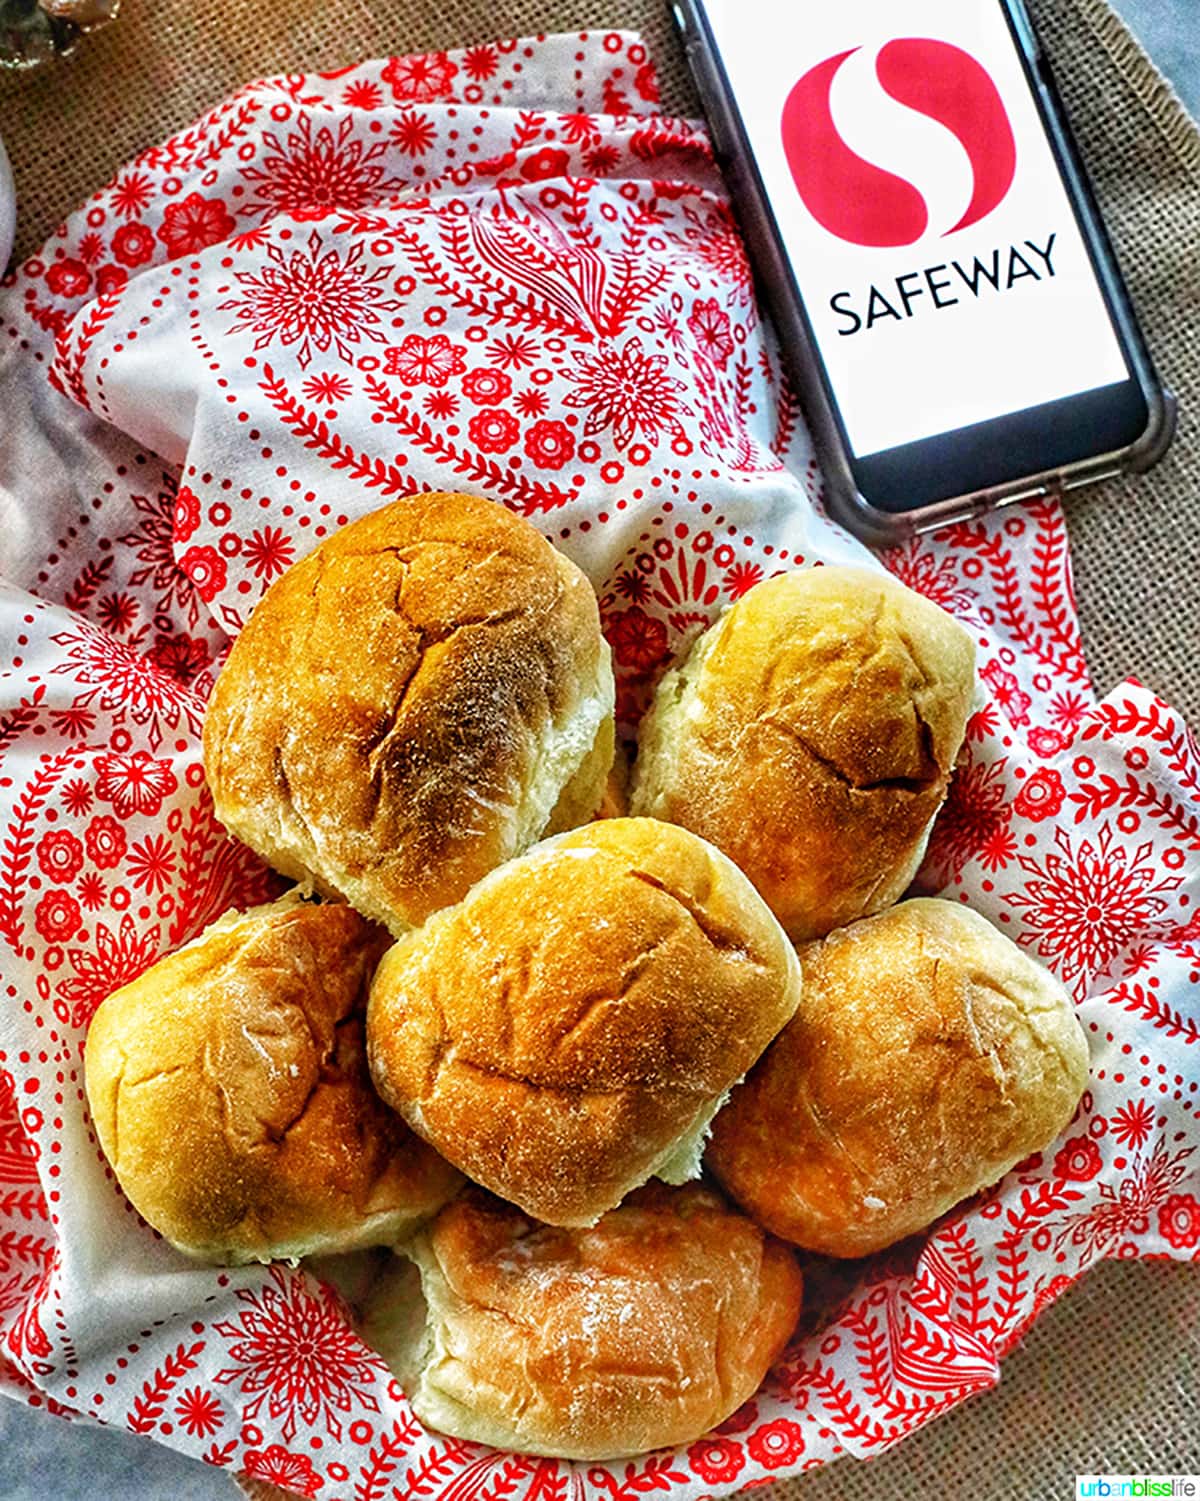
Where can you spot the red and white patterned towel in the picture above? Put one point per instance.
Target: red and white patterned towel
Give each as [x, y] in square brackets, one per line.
[497, 270]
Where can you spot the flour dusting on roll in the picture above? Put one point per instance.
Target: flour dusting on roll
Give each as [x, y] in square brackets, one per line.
[641, 1333]
[423, 696]
[929, 1054]
[569, 1029]
[229, 1091]
[811, 734]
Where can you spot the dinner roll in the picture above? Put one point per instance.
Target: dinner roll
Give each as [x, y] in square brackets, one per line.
[641, 1333]
[229, 1090]
[928, 1056]
[810, 734]
[420, 698]
[569, 1029]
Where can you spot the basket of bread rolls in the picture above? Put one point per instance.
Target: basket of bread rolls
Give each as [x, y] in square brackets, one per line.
[592, 1055]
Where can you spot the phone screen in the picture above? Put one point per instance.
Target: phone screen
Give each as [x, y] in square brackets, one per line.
[939, 258]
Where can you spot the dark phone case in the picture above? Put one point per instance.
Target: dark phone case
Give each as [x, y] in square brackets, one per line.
[772, 269]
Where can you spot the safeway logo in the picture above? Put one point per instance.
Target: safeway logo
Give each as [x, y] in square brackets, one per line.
[866, 205]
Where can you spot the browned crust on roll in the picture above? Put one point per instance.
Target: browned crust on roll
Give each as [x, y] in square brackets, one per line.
[811, 734]
[229, 1091]
[561, 1032]
[643, 1332]
[928, 1056]
[412, 704]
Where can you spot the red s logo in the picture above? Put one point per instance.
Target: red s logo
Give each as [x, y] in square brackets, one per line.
[866, 205]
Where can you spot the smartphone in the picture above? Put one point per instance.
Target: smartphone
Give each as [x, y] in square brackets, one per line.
[923, 231]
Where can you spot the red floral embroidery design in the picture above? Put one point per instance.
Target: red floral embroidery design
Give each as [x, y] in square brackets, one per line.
[421, 361]
[60, 855]
[133, 244]
[717, 1461]
[1179, 1221]
[193, 224]
[291, 1472]
[1041, 796]
[1078, 1159]
[427, 77]
[135, 783]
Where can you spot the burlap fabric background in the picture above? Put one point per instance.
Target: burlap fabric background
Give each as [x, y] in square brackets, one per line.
[1110, 1379]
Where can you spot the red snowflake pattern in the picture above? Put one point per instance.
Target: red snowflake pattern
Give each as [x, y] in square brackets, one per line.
[123, 683]
[152, 543]
[510, 352]
[1082, 904]
[975, 817]
[296, 1353]
[362, 94]
[314, 170]
[132, 194]
[1125, 1207]
[151, 864]
[626, 390]
[479, 63]
[327, 388]
[933, 574]
[114, 960]
[413, 133]
[312, 299]
[268, 552]
[1132, 1124]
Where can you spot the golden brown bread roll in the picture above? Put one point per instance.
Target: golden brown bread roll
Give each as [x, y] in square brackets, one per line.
[568, 1030]
[929, 1054]
[422, 697]
[229, 1090]
[810, 734]
[643, 1332]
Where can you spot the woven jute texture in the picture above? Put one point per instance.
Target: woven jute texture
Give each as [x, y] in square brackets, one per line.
[1110, 1378]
